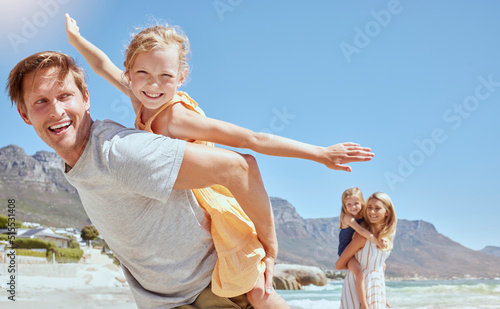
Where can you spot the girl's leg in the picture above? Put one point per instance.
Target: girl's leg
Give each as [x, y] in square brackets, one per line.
[356, 269]
[260, 300]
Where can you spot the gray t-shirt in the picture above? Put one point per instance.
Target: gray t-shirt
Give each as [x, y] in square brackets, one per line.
[161, 236]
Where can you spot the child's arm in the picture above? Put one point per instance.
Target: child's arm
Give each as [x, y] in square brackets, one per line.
[179, 122]
[356, 243]
[349, 220]
[98, 61]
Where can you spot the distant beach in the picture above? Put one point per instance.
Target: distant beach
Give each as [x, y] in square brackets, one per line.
[66, 286]
[99, 284]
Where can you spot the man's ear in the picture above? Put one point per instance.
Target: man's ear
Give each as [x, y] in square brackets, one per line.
[24, 115]
[86, 99]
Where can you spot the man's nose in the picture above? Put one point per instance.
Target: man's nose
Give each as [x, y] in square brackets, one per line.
[57, 109]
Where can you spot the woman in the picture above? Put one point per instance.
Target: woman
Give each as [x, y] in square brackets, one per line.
[381, 220]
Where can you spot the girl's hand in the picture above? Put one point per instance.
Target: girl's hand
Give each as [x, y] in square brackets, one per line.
[72, 30]
[384, 242]
[336, 156]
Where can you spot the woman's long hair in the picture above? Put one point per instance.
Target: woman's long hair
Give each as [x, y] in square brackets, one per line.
[388, 230]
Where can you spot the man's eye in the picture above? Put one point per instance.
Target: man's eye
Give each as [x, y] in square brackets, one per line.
[66, 96]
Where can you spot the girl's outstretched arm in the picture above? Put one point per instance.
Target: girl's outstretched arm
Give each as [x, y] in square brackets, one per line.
[179, 122]
[349, 220]
[98, 60]
[356, 243]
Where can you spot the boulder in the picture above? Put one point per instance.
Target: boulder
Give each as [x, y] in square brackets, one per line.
[293, 277]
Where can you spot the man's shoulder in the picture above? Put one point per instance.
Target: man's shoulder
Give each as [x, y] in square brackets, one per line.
[111, 137]
[107, 127]
[109, 131]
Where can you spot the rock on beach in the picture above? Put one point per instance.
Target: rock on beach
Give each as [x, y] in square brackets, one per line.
[293, 277]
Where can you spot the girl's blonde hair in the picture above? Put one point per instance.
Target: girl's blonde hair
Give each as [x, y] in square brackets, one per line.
[389, 226]
[156, 37]
[347, 194]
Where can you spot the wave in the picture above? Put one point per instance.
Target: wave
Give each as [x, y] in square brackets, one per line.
[315, 304]
[457, 294]
[328, 287]
[479, 288]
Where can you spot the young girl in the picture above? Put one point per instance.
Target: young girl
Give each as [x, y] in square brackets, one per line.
[380, 219]
[351, 216]
[155, 67]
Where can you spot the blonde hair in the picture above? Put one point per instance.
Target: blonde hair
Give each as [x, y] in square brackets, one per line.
[389, 226]
[157, 37]
[40, 61]
[347, 194]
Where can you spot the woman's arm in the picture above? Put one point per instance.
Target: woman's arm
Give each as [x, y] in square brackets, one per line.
[98, 60]
[356, 243]
[364, 232]
[179, 122]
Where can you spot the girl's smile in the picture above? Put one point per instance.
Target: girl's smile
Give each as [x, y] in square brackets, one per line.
[155, 76]
[353, 205]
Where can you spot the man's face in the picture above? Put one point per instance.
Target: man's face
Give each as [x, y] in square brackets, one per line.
[58, 112]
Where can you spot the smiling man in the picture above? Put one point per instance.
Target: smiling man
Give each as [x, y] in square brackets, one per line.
[56, 103]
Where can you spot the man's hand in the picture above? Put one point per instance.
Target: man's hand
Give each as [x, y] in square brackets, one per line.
[269, 273]
[339, 154]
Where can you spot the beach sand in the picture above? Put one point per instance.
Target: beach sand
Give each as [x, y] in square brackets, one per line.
[45, 286]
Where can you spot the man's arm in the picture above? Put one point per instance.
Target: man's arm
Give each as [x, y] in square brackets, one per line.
[204, 166]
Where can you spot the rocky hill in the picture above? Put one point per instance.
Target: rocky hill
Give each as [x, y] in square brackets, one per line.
[43, 195]
[37, 184]
[491, 250]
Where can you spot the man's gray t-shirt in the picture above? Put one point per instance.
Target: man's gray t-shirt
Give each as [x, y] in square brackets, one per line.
[161, 236]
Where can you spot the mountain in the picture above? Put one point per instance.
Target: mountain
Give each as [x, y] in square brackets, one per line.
[39, 188]
[491, 250]
[43, 195]
[419, 249]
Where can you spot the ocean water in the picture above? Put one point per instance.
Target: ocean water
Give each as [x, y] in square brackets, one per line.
[431, 294]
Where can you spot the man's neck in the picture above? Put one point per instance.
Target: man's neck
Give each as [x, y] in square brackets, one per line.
[70, 157]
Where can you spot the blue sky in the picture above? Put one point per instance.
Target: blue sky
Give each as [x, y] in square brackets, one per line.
[417, 81]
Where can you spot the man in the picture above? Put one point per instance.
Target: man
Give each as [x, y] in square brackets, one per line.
[135, 186]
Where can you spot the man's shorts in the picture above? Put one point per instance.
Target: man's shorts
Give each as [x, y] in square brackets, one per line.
[207, 300]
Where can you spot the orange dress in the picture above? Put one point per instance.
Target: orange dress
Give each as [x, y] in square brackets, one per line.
[240, 253]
